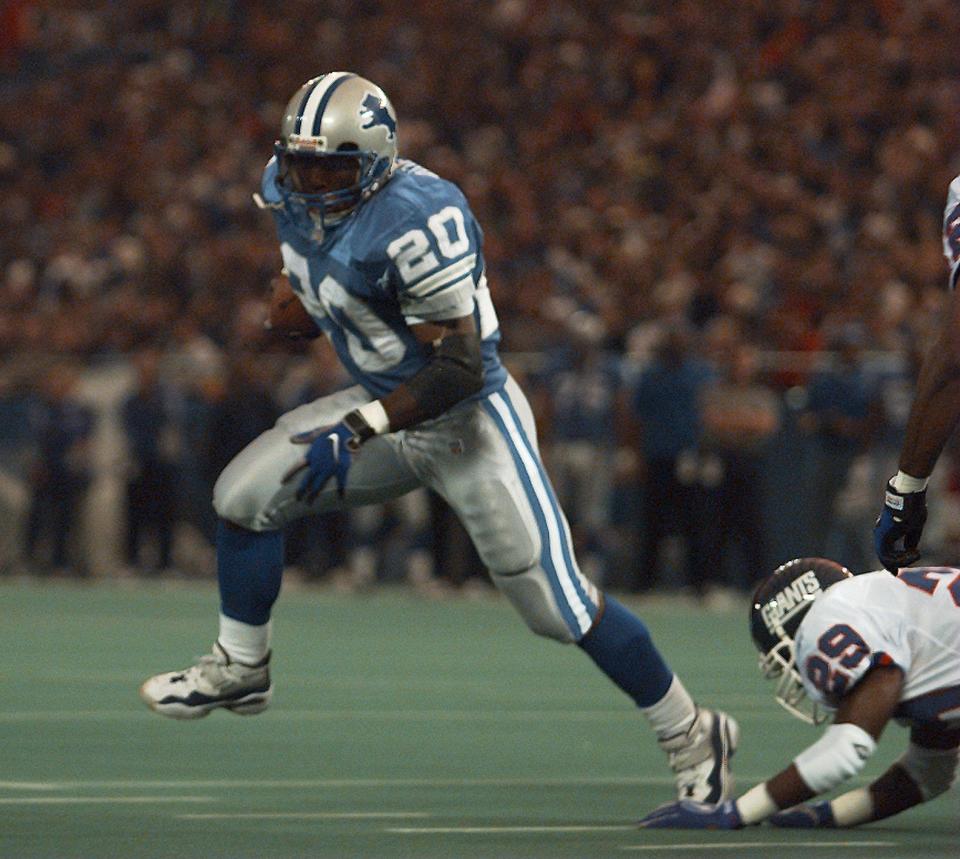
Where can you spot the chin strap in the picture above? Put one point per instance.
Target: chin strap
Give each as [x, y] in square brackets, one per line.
[260, 203]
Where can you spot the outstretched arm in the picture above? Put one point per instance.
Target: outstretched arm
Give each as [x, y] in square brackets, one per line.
[928, 768]
[933, 418]
[839, 754]
[862, 715]
[936, 405]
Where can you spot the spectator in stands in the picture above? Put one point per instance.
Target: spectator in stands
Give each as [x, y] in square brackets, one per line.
[150, 417]
[793, 150]
[666, 403]
[61, 432]
[741, 415]
[842, 412]
[802, 166]
[580, 437]
[244, 407]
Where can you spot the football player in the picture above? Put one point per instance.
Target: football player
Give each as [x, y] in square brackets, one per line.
[933, 417]
[866, 649]
[388, 260]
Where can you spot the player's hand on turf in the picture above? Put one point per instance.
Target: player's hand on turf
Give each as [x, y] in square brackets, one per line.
[810, 815]
[328, 456]
[687, 814]
[896, 534]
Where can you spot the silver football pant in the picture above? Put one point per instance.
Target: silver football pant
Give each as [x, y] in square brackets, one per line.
[481, 457]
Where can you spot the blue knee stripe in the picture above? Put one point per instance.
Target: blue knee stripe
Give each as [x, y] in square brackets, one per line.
[249, 571]
[556, 555]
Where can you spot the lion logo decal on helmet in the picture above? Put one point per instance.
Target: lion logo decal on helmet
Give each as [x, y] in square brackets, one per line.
[373, 113]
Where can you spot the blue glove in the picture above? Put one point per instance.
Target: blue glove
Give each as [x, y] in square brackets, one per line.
[810, 815]
[329, 455]
[903, 516]
[687, 814]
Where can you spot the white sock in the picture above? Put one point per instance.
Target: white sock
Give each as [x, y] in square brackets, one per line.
[244, 642]
[674, 713]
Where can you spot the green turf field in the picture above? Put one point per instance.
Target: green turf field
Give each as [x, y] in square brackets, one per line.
[401, 727]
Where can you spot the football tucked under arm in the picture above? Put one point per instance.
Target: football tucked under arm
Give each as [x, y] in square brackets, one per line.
[288, 317]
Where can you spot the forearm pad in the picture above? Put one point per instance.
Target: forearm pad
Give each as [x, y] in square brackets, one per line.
[454, 371]
[838, 755]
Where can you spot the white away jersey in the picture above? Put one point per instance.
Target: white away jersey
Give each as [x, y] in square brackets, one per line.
[911, 620]
[951, 230]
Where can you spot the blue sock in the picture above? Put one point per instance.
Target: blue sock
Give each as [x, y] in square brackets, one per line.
[249, 569]
[621, 646]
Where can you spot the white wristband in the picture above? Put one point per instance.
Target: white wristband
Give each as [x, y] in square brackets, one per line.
[853, 807]
[903, 482]
[756, 805]
[376, 416]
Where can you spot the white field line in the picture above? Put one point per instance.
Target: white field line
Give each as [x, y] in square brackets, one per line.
[726, 699]
[304, 681]
[498, 830]
[320, 783]
[387, 715]
[100, 800]
[359, 783]
[728, 845]
[11, 716]
[757, 845]
[307, 815]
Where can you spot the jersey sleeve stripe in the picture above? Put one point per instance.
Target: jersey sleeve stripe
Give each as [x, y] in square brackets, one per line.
[463, 282]
[448, 302]
[452, 272]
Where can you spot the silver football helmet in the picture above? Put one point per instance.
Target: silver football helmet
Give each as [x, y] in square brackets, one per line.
[337, 147]
[779, 604]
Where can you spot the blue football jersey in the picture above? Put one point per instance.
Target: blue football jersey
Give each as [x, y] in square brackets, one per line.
[411, 253]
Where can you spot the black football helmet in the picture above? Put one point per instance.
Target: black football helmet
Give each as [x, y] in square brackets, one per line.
[780, 602]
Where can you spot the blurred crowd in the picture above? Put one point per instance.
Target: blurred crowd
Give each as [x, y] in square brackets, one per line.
[712, 235]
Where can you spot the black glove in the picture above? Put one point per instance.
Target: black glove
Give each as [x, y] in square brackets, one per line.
[902, 518]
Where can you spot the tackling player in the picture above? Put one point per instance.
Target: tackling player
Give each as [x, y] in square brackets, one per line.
[933, 417]
[387, 258]
[868, 649]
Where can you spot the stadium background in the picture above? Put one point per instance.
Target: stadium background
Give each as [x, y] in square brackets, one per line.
[731, 184]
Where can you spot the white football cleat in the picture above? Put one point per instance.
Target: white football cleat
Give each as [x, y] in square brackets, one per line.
[700, 757]
[215, 681]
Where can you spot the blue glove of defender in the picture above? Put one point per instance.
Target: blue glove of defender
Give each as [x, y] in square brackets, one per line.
[903, 516]
[329, 456]
[687, 814]
[810, 815]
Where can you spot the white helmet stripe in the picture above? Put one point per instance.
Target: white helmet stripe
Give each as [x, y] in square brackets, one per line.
[308, 123]
[308, 88]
